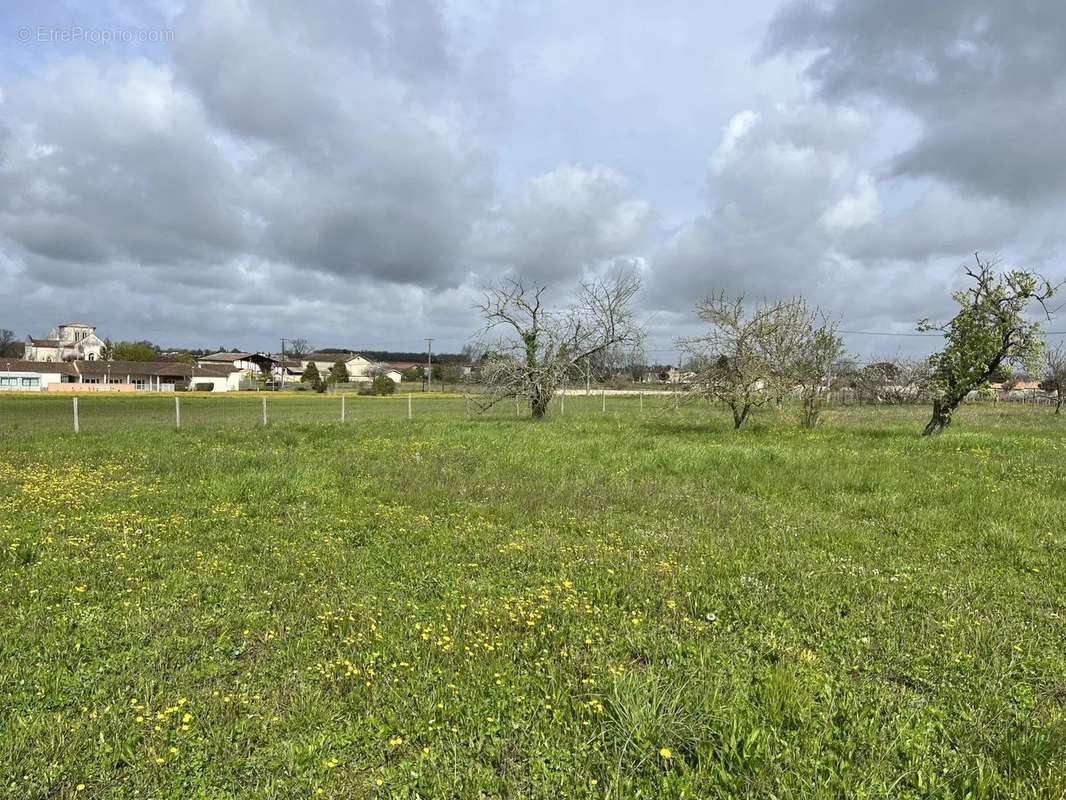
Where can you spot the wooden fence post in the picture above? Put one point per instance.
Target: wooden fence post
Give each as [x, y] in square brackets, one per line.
[177, 412]
[264, 410]
[342, 408]
[77, 422]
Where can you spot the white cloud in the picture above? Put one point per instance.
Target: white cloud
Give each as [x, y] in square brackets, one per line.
[859, 207]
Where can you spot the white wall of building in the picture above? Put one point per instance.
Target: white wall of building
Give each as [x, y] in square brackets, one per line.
[28, 381]
[230, 383]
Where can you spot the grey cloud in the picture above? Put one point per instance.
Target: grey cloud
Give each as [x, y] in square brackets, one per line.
[772, 176]
[571, 220]
[794, 212]
[356, 166]
[983, 77]
[114, 162]
[297, 135]
[940, 223]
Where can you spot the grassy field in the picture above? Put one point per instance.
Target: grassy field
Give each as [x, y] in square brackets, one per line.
[600, 605]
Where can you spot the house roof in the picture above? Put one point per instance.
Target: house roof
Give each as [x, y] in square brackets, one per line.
[1016, 385]
[53, 367]
[332, 358]
[212, 370]
[402, 365]
[77, 325]
[223, 356]
[175, 369]
[45, 342]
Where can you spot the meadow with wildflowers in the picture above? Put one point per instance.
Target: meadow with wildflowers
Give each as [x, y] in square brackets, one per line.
[593, 606]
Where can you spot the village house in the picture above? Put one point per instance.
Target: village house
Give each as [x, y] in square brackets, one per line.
[68, 342]
[1019, 389]
[359, 368]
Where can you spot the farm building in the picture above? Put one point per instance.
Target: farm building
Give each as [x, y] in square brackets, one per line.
[253, 363]
[78, 376]
[158, 375]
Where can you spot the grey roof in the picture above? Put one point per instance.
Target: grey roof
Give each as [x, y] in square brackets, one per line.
[163, 369]
[223, 356]
[45, 342]
[20, 365]
[332, 358]
[77, 325]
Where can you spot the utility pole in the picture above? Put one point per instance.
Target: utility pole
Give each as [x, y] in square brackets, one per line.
[283, 368]
[429, 367]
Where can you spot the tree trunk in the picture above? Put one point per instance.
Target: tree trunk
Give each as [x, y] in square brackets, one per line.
[942, 409]
[1058, 402]
[538, 406]
[739, 415]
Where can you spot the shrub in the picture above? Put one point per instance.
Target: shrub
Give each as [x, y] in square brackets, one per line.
[380, 386]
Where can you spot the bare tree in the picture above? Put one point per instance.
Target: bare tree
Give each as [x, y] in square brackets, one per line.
[1055, 374]
[378, 369]
[634, 363]
[819, 347]
[8, 346]
[297, 348]
[895, 381]
[450, 373]
[989, 331]
[529, 348]
[745, 359]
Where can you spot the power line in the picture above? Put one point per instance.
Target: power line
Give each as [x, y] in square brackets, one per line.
[890, 333]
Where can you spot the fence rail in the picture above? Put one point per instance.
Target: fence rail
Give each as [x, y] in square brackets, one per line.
[90, 413]
[28, 413]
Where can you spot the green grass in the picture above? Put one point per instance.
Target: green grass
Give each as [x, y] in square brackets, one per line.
[490, 607]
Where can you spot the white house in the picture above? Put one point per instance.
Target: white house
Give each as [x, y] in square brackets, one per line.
[359, 368]
[73, 340]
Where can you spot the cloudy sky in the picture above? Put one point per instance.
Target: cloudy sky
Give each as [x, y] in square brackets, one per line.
[231, 172]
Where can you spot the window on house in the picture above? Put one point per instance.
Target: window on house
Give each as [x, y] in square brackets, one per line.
[92, 356]
[31, 383]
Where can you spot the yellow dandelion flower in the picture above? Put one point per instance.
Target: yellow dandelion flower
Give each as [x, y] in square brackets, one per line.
[666, 753]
